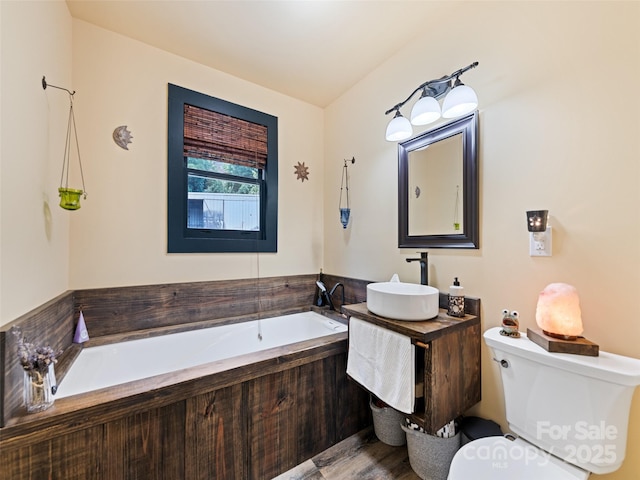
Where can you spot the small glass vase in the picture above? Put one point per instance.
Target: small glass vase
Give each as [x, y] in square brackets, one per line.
[38, 394]
[344, 216]
[70, 198]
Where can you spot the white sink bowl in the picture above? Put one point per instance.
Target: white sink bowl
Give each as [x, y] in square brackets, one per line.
[402, 301]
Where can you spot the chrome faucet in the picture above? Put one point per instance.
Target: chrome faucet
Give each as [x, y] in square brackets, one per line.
[424, 267]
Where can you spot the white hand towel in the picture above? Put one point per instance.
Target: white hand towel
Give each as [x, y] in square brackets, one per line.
[383, 362]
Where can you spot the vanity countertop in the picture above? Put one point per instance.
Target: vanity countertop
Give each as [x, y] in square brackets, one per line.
[422, 331]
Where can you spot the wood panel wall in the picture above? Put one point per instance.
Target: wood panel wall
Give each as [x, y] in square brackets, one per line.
[193, 430]
[121, 310]
[115, 314]
[50, 324]
[355, 291]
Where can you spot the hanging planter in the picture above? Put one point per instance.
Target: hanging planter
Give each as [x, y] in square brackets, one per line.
[69, 197]
[345, 212]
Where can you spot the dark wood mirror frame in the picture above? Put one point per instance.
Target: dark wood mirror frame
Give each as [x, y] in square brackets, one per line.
[469, 238]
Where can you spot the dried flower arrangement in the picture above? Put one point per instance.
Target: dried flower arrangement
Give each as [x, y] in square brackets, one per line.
[35, 361]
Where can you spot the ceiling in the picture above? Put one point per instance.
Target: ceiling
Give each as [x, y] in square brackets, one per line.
[310, 50]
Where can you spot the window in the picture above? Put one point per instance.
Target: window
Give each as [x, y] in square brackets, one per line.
[222, 175]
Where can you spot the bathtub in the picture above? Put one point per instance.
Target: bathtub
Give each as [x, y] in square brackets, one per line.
[108, 365]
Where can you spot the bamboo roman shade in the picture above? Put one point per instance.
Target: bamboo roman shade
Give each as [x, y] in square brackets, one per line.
[215, 136]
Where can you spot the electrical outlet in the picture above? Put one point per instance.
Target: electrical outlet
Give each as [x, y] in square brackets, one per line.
[540, 244]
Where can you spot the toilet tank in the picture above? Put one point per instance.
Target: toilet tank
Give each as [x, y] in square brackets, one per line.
[572, 406]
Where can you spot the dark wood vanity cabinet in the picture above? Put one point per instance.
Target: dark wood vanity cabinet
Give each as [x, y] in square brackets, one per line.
[447, 361]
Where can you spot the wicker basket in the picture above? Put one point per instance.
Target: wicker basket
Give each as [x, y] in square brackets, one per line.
[430, 456]
[387, 424]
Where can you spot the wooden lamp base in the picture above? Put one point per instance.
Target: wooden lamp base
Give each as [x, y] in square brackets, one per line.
[579, 346]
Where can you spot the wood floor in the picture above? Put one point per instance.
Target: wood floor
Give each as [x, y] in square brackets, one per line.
[361, 456]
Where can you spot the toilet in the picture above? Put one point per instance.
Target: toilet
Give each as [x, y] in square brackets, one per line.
[568, 413]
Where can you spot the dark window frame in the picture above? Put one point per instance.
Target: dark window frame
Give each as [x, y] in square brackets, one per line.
[188, 240]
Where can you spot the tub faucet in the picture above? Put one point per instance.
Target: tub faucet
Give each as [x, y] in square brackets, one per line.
[424, 266]
[325, 296]
[334, 289]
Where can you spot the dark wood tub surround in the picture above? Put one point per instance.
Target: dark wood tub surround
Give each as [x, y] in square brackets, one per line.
[447, 361]
[249, 417]
[253, 416]
[125, 313]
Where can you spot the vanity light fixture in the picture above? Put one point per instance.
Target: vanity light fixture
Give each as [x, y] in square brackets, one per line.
[399, 128]
[540, 233]
[460, 99]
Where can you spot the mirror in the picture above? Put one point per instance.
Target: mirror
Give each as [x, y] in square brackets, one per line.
[438, 187]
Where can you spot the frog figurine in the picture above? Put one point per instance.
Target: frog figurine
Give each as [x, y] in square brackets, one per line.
[510, 324]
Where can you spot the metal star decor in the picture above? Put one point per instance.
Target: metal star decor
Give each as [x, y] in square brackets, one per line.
[301, 172]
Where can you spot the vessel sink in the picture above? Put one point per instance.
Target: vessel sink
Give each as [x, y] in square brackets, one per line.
[403, 301]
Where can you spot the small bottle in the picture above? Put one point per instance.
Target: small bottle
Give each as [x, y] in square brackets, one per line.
[456, 299]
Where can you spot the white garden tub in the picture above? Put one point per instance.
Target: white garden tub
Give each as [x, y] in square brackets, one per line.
[114, 364]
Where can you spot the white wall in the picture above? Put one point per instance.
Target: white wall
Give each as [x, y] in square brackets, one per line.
[34, 239]
[559, 125]
[119, 236]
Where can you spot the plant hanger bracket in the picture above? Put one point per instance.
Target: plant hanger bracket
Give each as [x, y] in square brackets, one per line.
[70, 198]
[345, 212]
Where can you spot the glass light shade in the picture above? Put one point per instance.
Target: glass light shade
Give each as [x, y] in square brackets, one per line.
[398, 129]
[425, 111]
[558, 311]
[459, 101]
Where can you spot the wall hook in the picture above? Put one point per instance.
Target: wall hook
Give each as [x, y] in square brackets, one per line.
[45, 85]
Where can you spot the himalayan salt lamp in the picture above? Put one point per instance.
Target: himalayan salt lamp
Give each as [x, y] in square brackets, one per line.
[558, 311]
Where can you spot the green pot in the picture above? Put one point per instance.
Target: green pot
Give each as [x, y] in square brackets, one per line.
[70, 198]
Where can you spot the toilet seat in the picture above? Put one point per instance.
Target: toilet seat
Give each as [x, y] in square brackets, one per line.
[498, 458]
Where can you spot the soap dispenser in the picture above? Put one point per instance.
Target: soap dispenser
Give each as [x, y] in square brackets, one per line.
[456, 299]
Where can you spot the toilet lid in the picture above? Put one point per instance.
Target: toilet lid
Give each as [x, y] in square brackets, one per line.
[498, 458]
